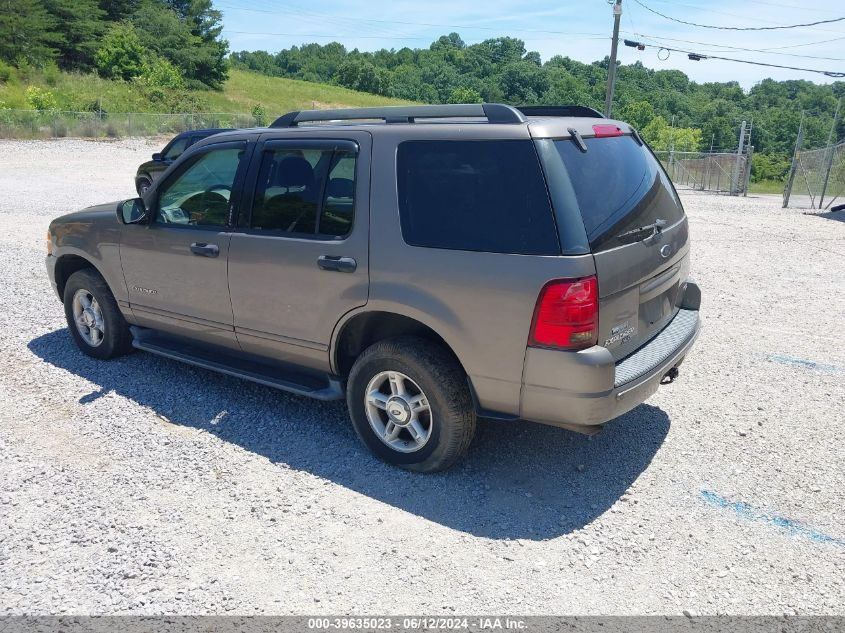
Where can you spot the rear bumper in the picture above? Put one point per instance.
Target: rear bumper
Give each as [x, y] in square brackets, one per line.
[588, 388]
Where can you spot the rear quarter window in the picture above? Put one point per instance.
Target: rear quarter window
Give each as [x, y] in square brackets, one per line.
[476, 196]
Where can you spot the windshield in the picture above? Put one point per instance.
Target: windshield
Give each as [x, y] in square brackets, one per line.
[619, 186]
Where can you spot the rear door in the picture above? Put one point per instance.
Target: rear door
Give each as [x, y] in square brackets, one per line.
[638, 234]
[298, 260]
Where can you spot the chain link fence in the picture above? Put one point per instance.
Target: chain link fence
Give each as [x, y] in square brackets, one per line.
[29, 124]
[722, 172]
[819, 178]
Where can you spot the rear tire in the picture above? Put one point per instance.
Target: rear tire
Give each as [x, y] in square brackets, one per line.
[410, 404]
[93, 318]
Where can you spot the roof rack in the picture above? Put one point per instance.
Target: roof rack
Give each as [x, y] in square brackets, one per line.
[493, 112]
[560, 110]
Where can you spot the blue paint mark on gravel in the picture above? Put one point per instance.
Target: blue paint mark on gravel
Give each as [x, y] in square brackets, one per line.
[791, 527]
[806, 364]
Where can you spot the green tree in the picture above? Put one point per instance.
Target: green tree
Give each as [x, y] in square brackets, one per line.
[662, 137]
[523, 82]
[27, 32]
[206, 23]
[465, 95]
[121, 55]
[188, 42]
[159, 73]
[161, 31]
[117, 10]
[40, 99]
[362, 75]
[639, 114]
[770, 167]
[82, 27]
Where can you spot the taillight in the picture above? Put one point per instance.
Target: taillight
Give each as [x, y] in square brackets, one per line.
[49, 243]
[566, 315]
[607, 129]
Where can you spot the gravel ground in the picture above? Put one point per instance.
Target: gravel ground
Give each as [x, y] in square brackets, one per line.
[145, 486]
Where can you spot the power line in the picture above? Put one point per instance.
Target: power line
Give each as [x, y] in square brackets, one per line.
[306, 14]
[760, 2]
[660, 38]
[780, 48]
[737, 28]
[698, 57]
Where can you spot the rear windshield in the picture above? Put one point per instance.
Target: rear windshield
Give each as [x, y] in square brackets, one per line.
[475, 196]
[619, 186]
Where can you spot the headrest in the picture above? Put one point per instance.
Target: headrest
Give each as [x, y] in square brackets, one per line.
[340, 188]
[294, 171]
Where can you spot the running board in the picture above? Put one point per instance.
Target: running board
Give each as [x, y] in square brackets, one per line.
[323, 387]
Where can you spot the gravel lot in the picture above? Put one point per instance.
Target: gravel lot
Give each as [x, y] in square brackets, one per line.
[145, 486]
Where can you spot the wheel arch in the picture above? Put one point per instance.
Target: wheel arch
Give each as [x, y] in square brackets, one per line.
[68, 264]
[362, 329]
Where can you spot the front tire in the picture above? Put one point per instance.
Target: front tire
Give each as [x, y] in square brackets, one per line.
[410, 404]
[142, 185]
[93, 318]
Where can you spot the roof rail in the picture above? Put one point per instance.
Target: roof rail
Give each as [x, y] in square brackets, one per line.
[560, 110]
[493, 112]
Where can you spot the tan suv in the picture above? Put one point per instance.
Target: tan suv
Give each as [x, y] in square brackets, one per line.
[431, 264]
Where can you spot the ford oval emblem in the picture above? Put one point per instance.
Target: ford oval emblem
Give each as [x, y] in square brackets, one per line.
[665, 250]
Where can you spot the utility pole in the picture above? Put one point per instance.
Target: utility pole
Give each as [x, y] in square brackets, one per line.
[829, 161]
[737, 163]
[611, 70]
[788, 190]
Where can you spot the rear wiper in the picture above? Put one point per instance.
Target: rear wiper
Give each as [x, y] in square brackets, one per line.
[577, 139]
[634, 235]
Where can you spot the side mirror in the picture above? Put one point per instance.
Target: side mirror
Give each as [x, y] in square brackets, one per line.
[132, 211]
[157, 156]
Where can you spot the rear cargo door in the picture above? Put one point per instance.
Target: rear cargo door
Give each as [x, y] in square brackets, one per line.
[637, 232]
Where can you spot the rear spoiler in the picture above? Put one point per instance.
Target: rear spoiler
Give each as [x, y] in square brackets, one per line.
[560, 110]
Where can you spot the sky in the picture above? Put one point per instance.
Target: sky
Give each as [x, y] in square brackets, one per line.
[578, 29]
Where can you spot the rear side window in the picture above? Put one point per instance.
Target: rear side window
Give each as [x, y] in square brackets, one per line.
[305, 191]
[619, 187]
[475, 196]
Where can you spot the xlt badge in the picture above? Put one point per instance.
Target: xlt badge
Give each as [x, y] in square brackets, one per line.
[620, 333]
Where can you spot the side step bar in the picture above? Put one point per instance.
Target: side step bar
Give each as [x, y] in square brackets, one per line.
[319, 387]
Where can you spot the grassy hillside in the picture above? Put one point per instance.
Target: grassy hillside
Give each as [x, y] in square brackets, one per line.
[242, 91]
[245, 89]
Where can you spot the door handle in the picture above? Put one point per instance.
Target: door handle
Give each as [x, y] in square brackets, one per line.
[338, 264]
[205, 250]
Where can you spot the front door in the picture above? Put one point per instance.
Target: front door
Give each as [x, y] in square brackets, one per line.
[298, 260]
[175, 267]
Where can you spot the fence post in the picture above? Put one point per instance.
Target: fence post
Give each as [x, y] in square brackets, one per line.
[748, 170]
[738, 162]
[829, 153]
[787, 192]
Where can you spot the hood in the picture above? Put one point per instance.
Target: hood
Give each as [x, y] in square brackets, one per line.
[99, 213]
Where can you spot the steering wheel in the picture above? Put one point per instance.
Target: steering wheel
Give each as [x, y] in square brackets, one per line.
[218, 188]
[210, 200]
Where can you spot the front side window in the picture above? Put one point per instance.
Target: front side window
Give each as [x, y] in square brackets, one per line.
[199, 196]
[305, 191]
[476, 196]
[176, 148]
